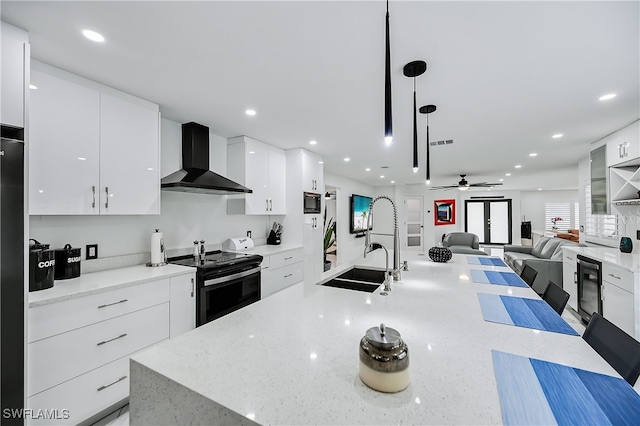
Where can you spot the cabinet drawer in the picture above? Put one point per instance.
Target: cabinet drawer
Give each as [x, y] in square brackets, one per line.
[59, 358]
[569, 257]
[618, 277]
[56, 318]
[286, 258]
[280, 278]
[81, 396]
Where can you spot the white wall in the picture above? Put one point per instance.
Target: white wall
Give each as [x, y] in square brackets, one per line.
[532, 205]
[184, 217]
[349, 247]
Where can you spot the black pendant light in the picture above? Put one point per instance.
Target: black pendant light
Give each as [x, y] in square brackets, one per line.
[388, 127]
[428, 109]
[414, 69]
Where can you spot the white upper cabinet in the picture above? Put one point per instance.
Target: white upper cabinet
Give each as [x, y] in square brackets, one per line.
[64, 172]
[129, 157]
[624, 145]
[14, 60]
[261, 168]
[93, 150]
[312, 172]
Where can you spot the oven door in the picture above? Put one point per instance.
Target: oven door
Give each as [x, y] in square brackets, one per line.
[223, 295]
[589, 287]
[312, 203]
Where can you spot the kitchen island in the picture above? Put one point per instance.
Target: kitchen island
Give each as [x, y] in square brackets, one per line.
[293, 357]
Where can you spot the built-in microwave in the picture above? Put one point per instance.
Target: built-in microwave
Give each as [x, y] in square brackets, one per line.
[312, 202]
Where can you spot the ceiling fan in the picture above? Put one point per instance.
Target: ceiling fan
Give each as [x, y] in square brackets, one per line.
[463, 185]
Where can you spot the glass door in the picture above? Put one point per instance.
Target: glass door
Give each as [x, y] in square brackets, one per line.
[490, 220]
[414, 222]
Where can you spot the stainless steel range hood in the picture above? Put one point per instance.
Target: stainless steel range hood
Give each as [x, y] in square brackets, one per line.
[195, 175]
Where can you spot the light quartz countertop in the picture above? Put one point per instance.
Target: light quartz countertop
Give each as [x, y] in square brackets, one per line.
[628, 261]
[292, 358]
[98, 282]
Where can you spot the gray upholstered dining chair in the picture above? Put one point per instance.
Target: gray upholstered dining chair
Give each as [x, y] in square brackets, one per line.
[620, 350]
[463, 243]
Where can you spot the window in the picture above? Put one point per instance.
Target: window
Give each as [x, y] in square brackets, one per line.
[559, 210]
[599, 228]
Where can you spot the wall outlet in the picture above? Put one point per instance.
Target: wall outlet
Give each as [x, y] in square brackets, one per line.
[92, 251]
[249, 234]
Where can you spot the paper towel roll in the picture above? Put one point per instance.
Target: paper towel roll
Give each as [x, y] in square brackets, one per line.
[157, 248]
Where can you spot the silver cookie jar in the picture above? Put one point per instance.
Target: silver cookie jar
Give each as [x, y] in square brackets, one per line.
[384, 360]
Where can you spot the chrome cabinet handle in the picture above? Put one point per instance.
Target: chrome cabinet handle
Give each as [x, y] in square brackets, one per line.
[267, 205]
[270, 205]
[111, 384]
[288, 275]
[106, 191]
[611, 275]
[575, 278]
[570, 258]
[192, 287]
[93, 195]
[602, 292]
[287, 258]
[111, 304]
[111, 340]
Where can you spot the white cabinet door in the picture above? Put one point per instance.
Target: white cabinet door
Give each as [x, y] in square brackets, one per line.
[12, 65]
[624, 145]
[312, 172]
[129, 157]
[64, 156]
[182, 312]
[257, 176]
[277, 181]
[617, 307]
[569, 283]
[313, 252]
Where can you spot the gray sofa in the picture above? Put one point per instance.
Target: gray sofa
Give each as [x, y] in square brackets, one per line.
[463, 243]
[545, 257]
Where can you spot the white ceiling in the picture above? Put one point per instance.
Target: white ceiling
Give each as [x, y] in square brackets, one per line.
[505, 76]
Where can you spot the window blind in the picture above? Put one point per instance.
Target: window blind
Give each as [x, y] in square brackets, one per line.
[558, 210]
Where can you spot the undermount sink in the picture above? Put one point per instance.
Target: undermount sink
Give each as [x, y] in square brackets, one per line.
[359, 279]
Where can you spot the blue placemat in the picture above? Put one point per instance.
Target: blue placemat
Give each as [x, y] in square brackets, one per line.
[521, 312]
[485, 260]
[533, 391]
[495, 277]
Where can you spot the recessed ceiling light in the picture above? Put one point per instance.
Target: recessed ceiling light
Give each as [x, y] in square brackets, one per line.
[507, 174]
[607, 97]
[313, 142]
[320, 162]
[539, 189]
[517, 166]
[250, 112]
[367, 169]
[381, 176]
[81, 158]
[393, 181]
[347, 159]
[150, 168]
[33, 87]
[93, 36]
[500, 180]
[557, 135]
[252, 152]
[533, 154]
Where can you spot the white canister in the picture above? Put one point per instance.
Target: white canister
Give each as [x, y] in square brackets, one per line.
[384, 360]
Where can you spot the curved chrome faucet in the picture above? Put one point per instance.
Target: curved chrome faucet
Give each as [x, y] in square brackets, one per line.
[372, 246]
[396, 238]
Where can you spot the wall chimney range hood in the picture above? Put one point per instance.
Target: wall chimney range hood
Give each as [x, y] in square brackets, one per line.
[195, 175]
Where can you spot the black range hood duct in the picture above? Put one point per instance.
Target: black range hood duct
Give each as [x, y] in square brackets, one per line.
[195, 175]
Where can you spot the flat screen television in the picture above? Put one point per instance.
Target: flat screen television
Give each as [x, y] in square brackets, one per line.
[359, 213]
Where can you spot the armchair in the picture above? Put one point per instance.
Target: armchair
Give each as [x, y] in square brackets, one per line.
[463, 243]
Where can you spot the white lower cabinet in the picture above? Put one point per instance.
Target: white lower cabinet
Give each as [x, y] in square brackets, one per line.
[617, 297]
[78, 359]
[569, 276]
[183, 304]
[280, 271]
